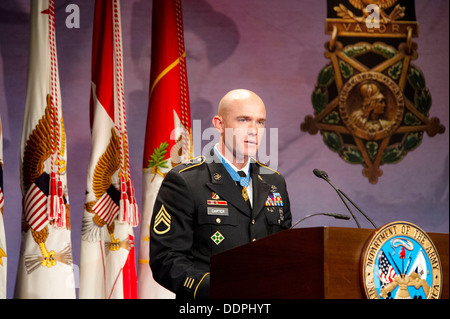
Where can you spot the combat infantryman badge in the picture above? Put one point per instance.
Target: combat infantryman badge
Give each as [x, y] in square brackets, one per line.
[401, 262]
[370, 103]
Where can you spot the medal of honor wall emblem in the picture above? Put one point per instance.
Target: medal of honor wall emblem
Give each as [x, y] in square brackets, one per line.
[371, 104]
[401, 262]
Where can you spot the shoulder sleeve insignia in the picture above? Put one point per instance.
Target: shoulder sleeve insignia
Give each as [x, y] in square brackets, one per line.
[162, 222]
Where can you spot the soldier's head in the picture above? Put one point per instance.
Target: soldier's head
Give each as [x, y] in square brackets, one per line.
[373, 104]
[240, 120]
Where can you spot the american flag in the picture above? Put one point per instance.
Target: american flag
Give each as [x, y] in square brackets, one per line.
[386, 271]
[107, 207]
[35, 208]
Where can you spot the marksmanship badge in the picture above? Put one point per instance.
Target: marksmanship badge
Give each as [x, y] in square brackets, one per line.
[401, 262]
[371, 104]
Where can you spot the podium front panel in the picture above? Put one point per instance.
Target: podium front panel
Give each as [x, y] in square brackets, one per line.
[305, 263]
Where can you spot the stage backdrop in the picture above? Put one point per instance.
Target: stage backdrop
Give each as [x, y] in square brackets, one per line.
[274, 48]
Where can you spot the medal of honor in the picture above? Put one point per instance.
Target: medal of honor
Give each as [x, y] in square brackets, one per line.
[371, 105]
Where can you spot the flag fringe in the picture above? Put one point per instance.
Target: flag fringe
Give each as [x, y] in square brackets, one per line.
[129, 211]
[55, 202]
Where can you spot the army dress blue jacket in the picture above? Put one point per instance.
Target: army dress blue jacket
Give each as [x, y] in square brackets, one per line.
[199, 211]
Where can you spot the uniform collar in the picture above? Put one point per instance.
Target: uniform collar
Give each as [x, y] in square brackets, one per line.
[222, 184]
[233, 170]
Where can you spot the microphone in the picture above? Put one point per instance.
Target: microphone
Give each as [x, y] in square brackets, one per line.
[321, 174]
[337, 216]
[324, 175]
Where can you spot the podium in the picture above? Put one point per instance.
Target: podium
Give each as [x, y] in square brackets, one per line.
[305, 263]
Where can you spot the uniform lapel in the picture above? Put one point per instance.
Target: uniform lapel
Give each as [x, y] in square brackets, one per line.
[260, 190]
[224, 186]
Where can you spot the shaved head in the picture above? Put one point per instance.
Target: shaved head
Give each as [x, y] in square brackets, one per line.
[240, 119]
[235, 98]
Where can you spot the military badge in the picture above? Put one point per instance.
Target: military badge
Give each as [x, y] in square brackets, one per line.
[270, 209]
[244, 193]
[217, 237]
[214, 196]
[274, 200]
[371, 104]
[162, 222]
[217, 202]
[281, 214]
[401, 262]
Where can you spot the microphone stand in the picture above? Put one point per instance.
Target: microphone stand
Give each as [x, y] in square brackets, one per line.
[324, 176]
[337, 216]
[338, 191]
[367, 217]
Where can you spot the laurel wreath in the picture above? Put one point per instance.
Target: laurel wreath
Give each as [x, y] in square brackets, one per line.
[157, 159]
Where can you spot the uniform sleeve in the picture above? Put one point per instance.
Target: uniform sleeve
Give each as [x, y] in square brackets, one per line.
[171, 240]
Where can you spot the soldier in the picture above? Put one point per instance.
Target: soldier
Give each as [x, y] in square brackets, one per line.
[216, 202]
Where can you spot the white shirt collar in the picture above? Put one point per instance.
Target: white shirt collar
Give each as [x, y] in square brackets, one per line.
[244, 169]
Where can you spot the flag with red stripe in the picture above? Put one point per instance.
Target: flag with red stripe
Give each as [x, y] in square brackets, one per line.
[107, 264]
[107, 208]
[35, 208]
[168, 131]
[45, 268]
[3, 256]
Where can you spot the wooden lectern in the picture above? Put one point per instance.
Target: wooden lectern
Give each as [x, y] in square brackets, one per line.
[310, 263]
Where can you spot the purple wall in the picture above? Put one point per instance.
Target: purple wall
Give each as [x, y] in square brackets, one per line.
[274, 48]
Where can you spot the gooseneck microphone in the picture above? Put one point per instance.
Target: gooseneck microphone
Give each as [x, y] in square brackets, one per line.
[337, 216]
[324, 176]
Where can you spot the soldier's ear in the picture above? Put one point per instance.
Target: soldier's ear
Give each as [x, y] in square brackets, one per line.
[217, 121]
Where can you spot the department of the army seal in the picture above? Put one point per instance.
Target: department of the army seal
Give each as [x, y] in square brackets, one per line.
[401, 262]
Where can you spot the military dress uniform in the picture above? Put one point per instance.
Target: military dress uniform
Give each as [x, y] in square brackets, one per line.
[200, 211]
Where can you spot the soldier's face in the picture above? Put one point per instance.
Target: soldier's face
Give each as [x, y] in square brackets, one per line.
[244, 124]
[379, 106]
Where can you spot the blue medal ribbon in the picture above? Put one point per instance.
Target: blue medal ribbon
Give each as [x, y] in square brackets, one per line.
[243, 181]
